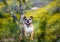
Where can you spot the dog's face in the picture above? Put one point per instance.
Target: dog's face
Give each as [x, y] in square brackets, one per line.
[28, 21]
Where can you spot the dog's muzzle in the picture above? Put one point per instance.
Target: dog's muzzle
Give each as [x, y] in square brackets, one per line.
[28, 23]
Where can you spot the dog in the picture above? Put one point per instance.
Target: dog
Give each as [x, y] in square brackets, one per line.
[28, 28]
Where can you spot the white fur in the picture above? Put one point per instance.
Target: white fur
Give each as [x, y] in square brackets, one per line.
[28, 30]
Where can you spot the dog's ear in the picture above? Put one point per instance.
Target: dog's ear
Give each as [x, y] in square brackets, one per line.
[31, 17]
[24, 17]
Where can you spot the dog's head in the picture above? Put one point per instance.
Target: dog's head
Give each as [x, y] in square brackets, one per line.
[28, 21]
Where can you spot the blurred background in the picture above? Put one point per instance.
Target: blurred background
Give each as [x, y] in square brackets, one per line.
[46, 19]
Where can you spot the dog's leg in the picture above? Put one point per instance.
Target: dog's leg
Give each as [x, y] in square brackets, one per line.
[32, 36]
[19, 38]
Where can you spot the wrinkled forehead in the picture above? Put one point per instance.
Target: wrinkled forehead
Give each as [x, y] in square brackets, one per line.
[28, 18]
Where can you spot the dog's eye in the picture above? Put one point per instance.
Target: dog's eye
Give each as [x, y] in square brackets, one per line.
[25, 19]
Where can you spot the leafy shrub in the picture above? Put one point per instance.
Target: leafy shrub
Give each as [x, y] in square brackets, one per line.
[1, 14]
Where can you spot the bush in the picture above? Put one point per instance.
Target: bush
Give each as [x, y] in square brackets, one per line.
[1, 14]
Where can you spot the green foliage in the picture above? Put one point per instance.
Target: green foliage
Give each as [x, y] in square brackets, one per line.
[5, 2]
[1, 14]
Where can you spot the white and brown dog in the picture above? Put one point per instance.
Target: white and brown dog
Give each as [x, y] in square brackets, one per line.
[28, 28]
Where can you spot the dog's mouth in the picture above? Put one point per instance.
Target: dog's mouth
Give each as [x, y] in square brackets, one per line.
[28, 23]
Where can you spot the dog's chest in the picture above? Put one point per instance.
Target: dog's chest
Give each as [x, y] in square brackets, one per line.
[28, 29]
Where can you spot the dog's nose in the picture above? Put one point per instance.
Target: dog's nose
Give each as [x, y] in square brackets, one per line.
[27, 21]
